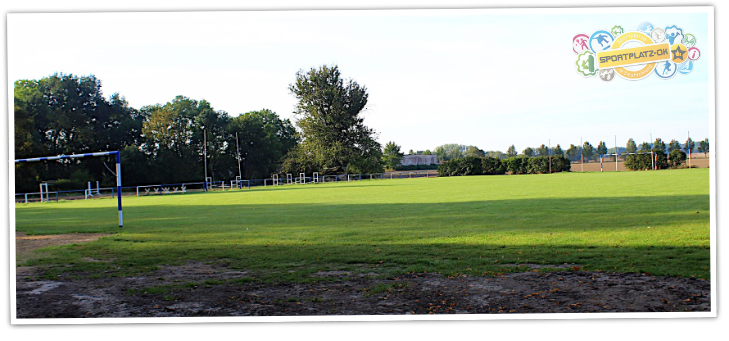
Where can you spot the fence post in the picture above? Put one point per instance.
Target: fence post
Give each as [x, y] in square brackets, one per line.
[26, 198]
[56, 196]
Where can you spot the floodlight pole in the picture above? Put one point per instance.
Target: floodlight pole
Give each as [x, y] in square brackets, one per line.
[240, 174]
[205, 160]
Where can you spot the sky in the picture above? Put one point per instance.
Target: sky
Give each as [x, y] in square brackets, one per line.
[489, 78]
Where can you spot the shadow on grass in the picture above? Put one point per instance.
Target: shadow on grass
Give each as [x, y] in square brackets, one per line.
[291, 241]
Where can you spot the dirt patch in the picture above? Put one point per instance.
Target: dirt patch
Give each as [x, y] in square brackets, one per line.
[198, 289]
[26, 246]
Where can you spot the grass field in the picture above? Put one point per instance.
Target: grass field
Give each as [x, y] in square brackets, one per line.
[655, 222]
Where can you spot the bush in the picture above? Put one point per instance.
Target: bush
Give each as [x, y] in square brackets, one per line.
[517, 165]
[469, 165]
[638, 162]
[538, 165]
[493, 166]
[676, 158]
[561, 164]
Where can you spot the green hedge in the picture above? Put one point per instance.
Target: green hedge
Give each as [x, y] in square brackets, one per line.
[643, 161]
[493, 166]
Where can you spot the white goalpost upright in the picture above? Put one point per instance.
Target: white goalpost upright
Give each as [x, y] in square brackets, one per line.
[289, 179]
[302, 178]
[315, 177]
[74, 156]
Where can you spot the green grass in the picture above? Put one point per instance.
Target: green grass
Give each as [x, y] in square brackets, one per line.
[458, 225]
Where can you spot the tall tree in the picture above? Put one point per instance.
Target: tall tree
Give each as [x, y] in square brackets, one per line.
[543, 150]
[673, 145]
[630, 147]
[601, 148]
[645, 147]
[557, 151]
[333, 131]
[587, 150]
[511, 152]
[659, 145]
[427, 152]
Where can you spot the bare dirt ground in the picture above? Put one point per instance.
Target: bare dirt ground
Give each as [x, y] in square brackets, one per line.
[567, 290]
[609, 164]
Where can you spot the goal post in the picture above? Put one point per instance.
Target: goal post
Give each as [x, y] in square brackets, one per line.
[97, 154]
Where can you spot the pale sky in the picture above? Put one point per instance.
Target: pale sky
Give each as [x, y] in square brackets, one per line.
[474, 77]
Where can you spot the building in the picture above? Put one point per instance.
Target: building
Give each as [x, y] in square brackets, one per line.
[415, 160]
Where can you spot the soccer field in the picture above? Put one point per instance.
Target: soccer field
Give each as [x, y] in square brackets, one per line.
[655, 222]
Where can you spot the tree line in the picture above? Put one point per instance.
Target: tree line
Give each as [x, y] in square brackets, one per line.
[66, 114]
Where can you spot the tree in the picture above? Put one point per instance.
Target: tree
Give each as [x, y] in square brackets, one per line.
[659, 146]
[557, 151]
[673, 145]
[676, 158]
[689, 146]
[411, 152]
[66, 114]
[449, 151]
[573, 153]
[543, 150]
[645, 147]
[587, 150]
[391, 156]
[511, 152]
[528, 152]
[474, 152]
[427, 152]
[704, 146]
[333, 132]
[264, 139]
[630, 147]
[601, 148]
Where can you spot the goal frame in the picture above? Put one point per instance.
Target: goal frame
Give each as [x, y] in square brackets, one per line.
[97, 154]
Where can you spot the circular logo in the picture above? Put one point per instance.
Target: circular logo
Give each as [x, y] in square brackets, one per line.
[679, 53]
[600, 41]
[674, 34]
[586, 64]
[637, 71]
[658, 35]
[686, 67]
[694, 53]
[646, 27]
[689, 40]
[666, 70]
[606, 74]
[616, 31]
[579, 43]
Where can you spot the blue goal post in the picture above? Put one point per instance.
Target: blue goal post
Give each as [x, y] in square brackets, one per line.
[75, 156]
